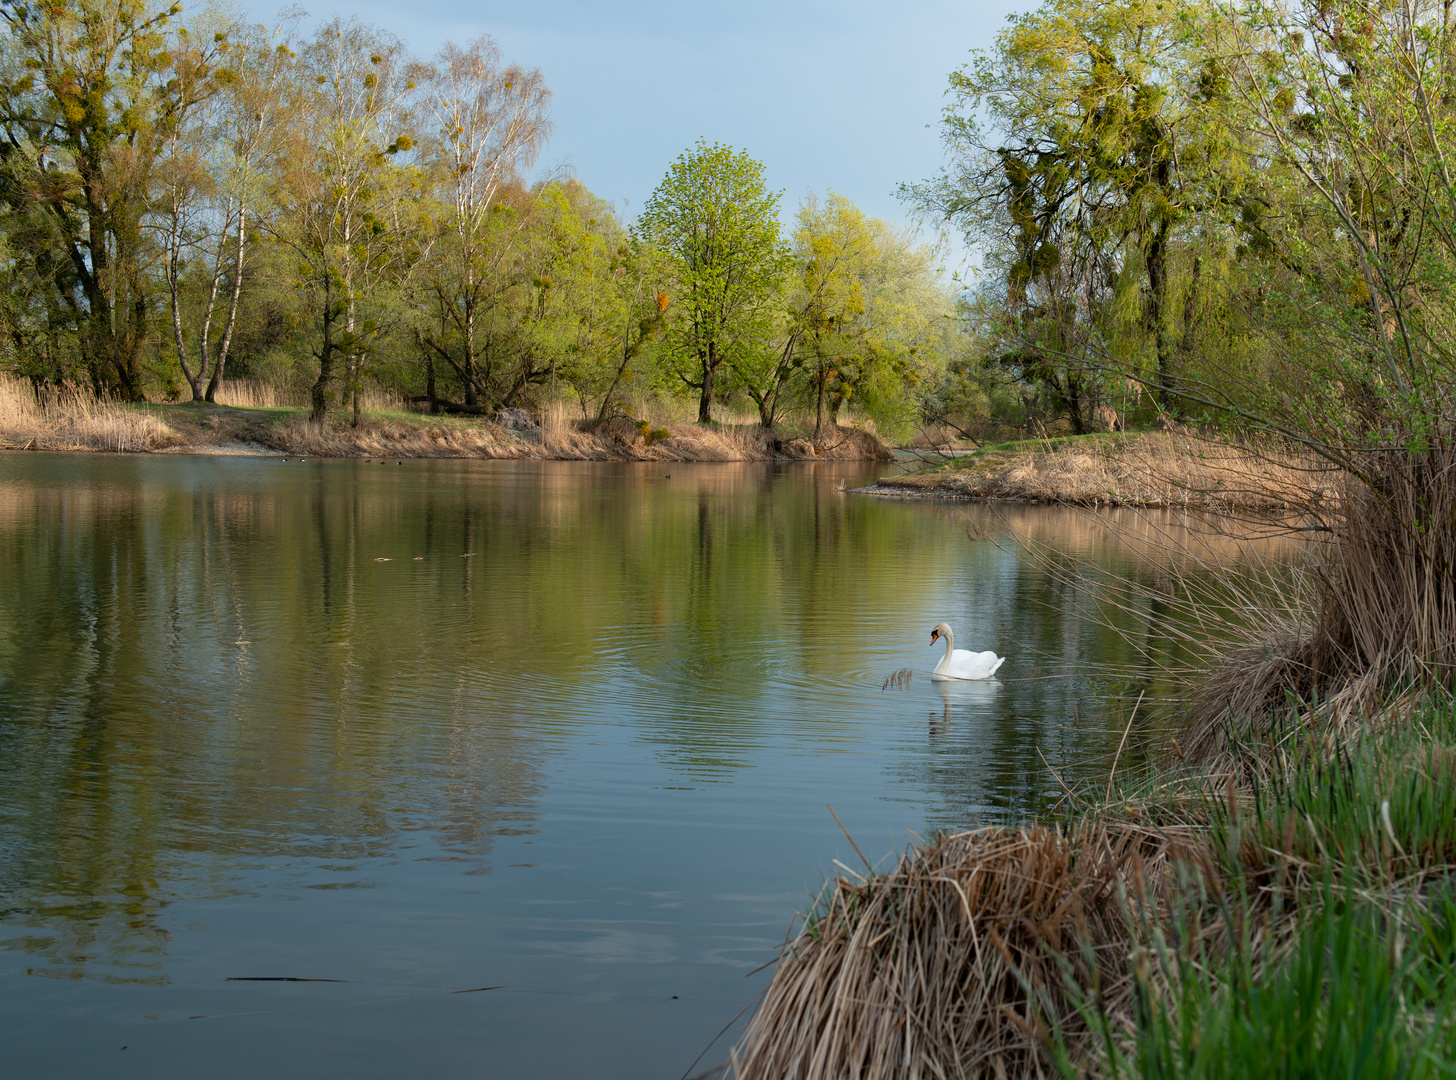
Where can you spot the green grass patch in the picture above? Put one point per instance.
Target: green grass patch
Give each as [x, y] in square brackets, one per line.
[1331, 875]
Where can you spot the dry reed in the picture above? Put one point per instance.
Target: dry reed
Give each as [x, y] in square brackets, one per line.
[1377, 614]
[72, 418]
[962, 960]
[557, 439]
[1167, 469]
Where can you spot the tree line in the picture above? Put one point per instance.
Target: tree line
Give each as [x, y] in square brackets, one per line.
[185, 196]
[1236, 212]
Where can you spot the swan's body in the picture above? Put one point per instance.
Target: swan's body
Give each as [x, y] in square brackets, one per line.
[961, 663]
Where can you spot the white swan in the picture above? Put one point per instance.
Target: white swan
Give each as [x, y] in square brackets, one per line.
[959, 663]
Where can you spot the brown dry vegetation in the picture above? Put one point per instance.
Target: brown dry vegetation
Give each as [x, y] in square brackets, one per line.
[1163, 469]
[407, 437]
[75, 420]
[1037, 951]
[1380, 613]
[955, 962]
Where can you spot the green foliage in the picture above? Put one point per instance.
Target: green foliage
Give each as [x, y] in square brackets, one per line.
[1248, 212]
[182, 198]
[91, 92]
[1341, 922]
[1332, 1007]
[869, 320]
[716, 221]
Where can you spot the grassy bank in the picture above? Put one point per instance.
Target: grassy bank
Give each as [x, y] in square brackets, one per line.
[75, 420]
[1294, 918]
[1154, 469]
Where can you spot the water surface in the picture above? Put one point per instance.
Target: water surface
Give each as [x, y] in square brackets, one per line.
[568, 731]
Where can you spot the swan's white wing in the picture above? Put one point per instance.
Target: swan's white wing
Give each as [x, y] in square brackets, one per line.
[969, 665]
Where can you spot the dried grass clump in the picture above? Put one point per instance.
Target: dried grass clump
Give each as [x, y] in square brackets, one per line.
[1379, 612]
[71, 418]
[959, 961]
[557, 439]
[385, 438]
[248, 394]
[1167, 469]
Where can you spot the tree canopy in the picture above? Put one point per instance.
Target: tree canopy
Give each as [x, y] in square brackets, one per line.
[716, 220]
[187, 195]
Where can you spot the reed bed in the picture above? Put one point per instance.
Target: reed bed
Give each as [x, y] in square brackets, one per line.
[251, 394]
[1165, 469]
[73, 418]
[1377, 614]
[620, 440]
[257, 394]
[960, 961]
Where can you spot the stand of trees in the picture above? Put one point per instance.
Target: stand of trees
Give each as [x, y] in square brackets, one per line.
[185, 197]
[1236, 212]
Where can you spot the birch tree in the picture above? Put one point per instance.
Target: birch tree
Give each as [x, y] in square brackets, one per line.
[336, 194]
[485, 122]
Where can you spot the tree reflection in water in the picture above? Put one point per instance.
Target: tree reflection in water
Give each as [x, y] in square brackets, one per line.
[211, 692]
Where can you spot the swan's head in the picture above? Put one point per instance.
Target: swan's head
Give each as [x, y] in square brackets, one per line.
[940, 628]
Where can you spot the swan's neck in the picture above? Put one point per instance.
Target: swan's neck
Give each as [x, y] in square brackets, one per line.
[949, 648]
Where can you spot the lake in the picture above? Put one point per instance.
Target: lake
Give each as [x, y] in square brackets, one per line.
[506, 769]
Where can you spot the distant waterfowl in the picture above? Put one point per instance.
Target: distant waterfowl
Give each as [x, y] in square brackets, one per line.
[961, 663]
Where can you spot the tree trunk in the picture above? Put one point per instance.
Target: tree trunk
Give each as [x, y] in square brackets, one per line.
[227, 336]
[430, 390]
[172, 271]
[469, 335]
[325, 354]
[1190, 303]
[194, 378]
[705, 400]
[1157, 294]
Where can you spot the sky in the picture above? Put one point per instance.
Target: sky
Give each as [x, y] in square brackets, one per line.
[841, 94]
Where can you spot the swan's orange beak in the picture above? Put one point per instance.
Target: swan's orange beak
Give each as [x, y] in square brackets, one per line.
[934, 635]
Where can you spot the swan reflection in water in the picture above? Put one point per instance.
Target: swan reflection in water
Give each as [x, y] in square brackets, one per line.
[968, 696]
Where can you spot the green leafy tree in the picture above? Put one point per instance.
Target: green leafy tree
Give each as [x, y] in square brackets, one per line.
[341, 196]
[869, 315]
[92, 92]
[715, 219]
[1088, 145]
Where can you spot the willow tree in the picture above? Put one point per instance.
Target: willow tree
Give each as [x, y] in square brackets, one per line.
[1087, 144]
[715, 219]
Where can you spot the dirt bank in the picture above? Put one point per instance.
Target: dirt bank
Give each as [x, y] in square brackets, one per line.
[219, 429]
[1159, 469]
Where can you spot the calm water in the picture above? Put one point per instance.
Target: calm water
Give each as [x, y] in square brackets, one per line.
[567, 731]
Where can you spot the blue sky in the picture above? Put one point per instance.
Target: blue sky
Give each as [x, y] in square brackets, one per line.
[843, 95]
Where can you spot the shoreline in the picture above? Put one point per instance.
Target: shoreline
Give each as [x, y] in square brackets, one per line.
[1153, 470]
[220, 430]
